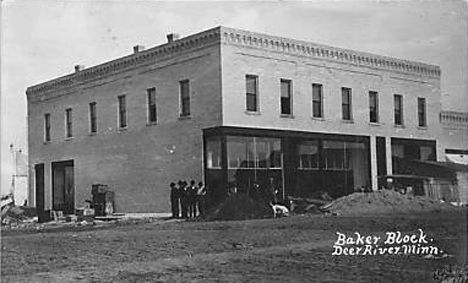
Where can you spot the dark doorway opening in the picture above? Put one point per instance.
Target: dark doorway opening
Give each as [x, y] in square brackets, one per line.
[40, 198]
[381, 156]
[63, 189]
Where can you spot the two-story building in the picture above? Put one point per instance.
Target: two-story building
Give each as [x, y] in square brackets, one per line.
[229, 107]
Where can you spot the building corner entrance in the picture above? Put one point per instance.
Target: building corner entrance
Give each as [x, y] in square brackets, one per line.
[63, 186]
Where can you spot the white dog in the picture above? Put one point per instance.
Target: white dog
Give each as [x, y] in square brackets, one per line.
[279, 210]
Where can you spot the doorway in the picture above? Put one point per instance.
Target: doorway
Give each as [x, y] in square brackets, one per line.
[40, 198]
[381, 156]
[63, 188]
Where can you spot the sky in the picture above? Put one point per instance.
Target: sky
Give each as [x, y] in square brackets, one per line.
[42, 40]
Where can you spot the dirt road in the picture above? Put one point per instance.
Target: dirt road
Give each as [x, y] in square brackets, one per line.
[294, 249]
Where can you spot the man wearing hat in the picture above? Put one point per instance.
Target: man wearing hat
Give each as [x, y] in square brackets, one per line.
[175, 196]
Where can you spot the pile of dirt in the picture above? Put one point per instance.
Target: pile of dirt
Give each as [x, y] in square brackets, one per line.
[302, 205]
[239, 207]
[384, 202]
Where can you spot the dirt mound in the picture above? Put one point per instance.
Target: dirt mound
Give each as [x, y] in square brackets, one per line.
[384, 202]
[313, 205]
[239, 207]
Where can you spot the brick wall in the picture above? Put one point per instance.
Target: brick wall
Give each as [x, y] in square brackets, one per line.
[272, 66]
[454, 130]
[139, 162]
[462, 185]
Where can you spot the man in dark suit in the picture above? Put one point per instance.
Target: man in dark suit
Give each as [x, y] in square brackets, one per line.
[183, 198]
[200, 201]
[192, 199]
[175, 197]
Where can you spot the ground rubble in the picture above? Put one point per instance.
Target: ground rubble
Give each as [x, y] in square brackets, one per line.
[384, 202]
[241, 207]
[238, 207]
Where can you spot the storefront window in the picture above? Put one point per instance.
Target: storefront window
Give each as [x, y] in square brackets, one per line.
[427, 153]
[252, 152]
[334, 155]
[398, 150]
[308, 155]
[337, 167]
[413, 149]
[213, 153]
[240, 152]
[406, 151]
[268, 153]
[253, 160]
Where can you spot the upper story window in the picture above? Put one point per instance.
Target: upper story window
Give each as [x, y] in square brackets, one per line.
[68, 123]
[346, 103]
[184, 98]
[251, 92]
[317, 101]
[398, 109]
[152, 115]
[286, 97]
[422, 112]
[92, 118]
[122, 106]
[373, 107]
[47, 127]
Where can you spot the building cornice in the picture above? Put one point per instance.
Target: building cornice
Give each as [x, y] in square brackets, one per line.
[195, 41]
[458, 113]
[329, 53]
[241, 38]
[453, 117]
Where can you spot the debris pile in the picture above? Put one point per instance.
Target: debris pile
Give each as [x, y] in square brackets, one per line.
[312, 205]
[239, 207]
[384, 202]
[11, 213]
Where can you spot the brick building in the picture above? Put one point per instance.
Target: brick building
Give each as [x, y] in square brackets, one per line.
[228, 107]
[454, 136]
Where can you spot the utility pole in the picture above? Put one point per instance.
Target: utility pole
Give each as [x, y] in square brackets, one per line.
[15, 152]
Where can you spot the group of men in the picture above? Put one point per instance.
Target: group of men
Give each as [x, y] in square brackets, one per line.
[187, 199]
